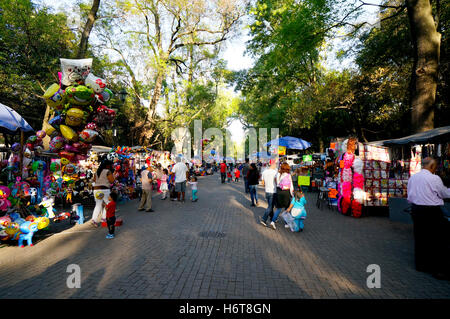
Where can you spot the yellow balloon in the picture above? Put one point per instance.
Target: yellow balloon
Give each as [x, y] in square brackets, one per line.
[74, 117]
[68, 133]
[54, 97]
[42, 222]
[12, 229]
[64, 161]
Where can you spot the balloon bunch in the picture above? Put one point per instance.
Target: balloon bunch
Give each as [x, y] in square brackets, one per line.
[12, 226]
[80, 104]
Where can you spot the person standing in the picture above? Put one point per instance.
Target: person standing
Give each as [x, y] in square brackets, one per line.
[181, 175]
[253, 181]
[223, 171]
[285, 190]
[102, 188]
[147, 186]
[158, 175]
[111, 214]
[245, 169]
[269, 179]
[426, 192]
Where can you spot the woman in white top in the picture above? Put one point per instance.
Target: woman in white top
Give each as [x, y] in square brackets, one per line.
[285, 190]
[102, 188]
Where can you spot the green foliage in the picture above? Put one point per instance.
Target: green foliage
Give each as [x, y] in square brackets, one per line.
[32, 41]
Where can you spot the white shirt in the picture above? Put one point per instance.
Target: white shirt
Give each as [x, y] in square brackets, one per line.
[427, 189]
[268, 176]
[180, 170]
[193, 185]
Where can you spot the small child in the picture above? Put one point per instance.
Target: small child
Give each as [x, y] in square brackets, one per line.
[164, 188]
[229, 176]
[111, 214]
[237, 174]
[193, 184]
[296, 213]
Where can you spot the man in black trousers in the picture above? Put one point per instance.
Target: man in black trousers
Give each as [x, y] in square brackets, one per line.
[426, 193]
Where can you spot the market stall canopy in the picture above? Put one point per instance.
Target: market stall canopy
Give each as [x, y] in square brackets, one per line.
[290, 142]
[11, 122]
[434, 135]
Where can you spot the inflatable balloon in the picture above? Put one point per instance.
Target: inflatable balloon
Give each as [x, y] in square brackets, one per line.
[68, 133]
[70, 169]
[51, 132]
[56, 143]
[42, 222]
[12, 228]
[74, 71]
[70, 148]
[64, 161]
[30, 218]
[106, 96]
[5, 221]
[88, 136]
[95, 83]
[41, 134]
[56, 121]
[91, 126]
[54, 97]
[66, 155]
[79, 95]
[55, 167]
[74, 117]
[15, 147]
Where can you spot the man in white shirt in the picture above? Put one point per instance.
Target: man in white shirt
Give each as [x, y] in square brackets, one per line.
[426, 193]
[181, 174]
[268, 177]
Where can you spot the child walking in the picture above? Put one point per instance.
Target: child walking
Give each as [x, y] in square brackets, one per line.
[296, 213]
[111, 214]
[237, 174]
[164, 188]
[194, 188]
[230, 176]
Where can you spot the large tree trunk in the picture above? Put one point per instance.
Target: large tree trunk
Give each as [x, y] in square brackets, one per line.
[426, 42]
[92, 16]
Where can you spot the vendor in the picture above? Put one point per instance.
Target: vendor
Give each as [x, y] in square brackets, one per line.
[102, 188]
[426, 193]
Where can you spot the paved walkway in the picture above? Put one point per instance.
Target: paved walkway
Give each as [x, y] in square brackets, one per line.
[215, 248]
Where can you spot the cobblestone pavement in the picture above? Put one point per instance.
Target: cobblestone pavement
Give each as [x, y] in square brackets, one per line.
[164, 255]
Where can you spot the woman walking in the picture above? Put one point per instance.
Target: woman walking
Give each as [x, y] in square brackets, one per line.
[285, 190]
[253, 181]
[102, 189]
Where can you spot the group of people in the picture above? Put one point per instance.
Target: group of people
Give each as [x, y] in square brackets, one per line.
[172, 180]
[227, 171]
[282, 194]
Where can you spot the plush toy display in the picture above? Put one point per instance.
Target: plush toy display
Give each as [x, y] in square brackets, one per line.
[351, 194]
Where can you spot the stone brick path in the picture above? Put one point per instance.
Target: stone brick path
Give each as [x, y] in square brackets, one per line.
[215, 248]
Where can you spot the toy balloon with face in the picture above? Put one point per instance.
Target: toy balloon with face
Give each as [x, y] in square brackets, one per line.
[95, 83]
[54, 97]
[75, 71]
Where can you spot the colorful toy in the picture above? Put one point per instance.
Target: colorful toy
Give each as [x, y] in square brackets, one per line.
[27, 230]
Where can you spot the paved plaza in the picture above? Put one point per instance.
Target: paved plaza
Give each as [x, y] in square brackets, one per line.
[216, 248]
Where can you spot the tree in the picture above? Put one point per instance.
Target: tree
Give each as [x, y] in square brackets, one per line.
[165, 36]
[33, 40]
[90, 21]
[424, 80]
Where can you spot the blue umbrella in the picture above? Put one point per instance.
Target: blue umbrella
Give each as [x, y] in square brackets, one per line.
[291, 143]
[264, 155]
[11, 121]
